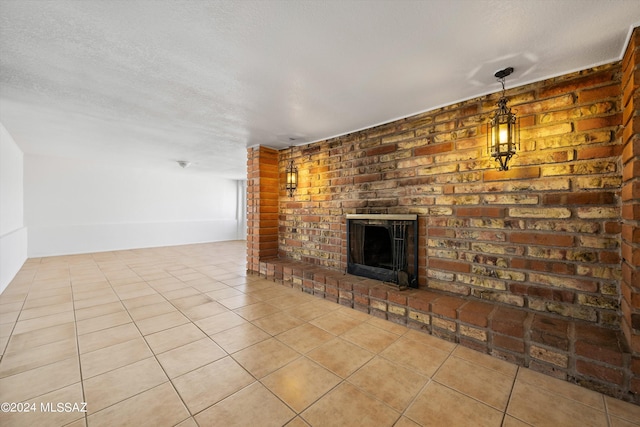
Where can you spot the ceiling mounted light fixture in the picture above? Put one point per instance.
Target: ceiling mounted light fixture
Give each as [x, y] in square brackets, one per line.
[291, 177]
[503, 130]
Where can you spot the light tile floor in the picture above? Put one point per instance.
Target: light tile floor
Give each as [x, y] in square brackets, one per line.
[182, 336]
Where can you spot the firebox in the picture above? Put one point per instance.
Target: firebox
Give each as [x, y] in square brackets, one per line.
[383, 247]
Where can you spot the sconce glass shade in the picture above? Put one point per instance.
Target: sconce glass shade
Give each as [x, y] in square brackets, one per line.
[291, 182]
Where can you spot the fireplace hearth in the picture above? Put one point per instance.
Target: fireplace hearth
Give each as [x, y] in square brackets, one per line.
[383, 247]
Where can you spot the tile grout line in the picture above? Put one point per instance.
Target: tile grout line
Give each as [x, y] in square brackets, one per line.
[155, 356]
[75, 325]
[513, 386]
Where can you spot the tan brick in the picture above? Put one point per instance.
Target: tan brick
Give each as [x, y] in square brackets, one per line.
[449, 287]
[449, 325]
[420, 317]
[458, 200]
[481, 235]
[441, 211]
[564, 282]
[599, 301]
[546, 131]
[398, 137]
[577, 312]
[497, 249]
[515, 300]
[540, 212]
[598, 242]
[436, 170]
[441, 275]
[482, 282]
[566, 226]
[475, 333]
[556, 170]
[549, 356]
[401, 311]
[595, 182]
[598, 212]
[378, 305]
[511, 199]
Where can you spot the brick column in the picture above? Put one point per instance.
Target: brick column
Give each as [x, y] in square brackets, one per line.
[262, 206]
[630, 283]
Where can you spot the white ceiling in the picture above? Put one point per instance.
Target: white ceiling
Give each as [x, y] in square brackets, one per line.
[147, 83]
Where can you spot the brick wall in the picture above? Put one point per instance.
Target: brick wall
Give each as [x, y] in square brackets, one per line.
[539, 265]
[262, 205]
[546, 235]
[630, 282]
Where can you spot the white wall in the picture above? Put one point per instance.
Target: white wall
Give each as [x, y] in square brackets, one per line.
[77, 207]
[13, 233]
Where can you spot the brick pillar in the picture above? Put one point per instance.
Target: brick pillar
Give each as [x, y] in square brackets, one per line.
[630, 283]
[262, 206]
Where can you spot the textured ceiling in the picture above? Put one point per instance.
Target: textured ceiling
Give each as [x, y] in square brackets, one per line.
[147, 83]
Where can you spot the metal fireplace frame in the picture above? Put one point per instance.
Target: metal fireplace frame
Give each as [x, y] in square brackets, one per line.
[384, 274]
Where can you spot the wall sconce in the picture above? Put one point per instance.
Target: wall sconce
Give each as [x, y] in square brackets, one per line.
[291, 176]
[503, 131]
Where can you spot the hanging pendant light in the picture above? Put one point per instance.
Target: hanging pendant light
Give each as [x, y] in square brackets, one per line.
[503, 130]
[291, 176]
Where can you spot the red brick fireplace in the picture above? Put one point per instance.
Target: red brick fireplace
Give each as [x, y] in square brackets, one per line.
[539, 265]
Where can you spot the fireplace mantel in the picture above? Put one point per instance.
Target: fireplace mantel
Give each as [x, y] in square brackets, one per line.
[386, 217]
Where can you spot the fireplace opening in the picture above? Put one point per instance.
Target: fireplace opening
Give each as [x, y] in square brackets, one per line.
[377, 247]
[383, 247]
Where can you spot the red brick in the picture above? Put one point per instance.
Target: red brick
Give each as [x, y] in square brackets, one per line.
[447, 306]
[599, 122]
[422, 301]
[586, 198]
[433, 149]
[457, 266]
[332, 281]
[542, 239]
[331, 291]
[546, 266]
[579, 83]
[379, 292]
[600, 372]
[630, 191]
[509, 343]
[361, 288]
[599, 152]
[346, 283]
[397, 297]
[476, 313]
[384, 149]
[631, 233]
[361, 299]
[509, 321]
[631, 170]
[359, 179]
[599, 93]
[542, 292]
[552, 332]
[480, 212]
[631, 211]
[512, 173]
[599, 343]
[609, 257]
[611, 227]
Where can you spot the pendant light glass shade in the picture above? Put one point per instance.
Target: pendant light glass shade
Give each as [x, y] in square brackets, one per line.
[503, 130]
[291, 177]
